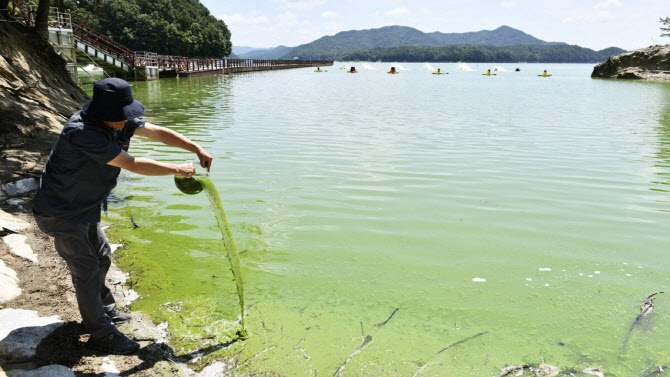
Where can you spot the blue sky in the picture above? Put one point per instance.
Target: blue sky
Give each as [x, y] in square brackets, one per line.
[595, 24]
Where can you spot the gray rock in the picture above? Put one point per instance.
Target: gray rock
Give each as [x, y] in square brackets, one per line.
[21, 331]
[168, 369]
[142, 328]
[651, 63]
[216, 369]
[47, 371]
[21, 187]
[15, 202]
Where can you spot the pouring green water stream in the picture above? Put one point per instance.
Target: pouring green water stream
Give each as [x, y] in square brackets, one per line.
[195, 185]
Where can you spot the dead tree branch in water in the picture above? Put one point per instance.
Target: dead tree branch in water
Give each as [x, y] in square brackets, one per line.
[645, 308]
[387, 319]
[654, 371]
[447, 348]
[367, 340]
[132, 220]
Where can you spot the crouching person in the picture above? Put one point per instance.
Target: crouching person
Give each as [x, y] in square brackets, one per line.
[81, 172]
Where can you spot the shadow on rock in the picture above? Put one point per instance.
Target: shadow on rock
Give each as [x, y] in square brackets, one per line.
[62, 346]
[160, 352]
[20, 344]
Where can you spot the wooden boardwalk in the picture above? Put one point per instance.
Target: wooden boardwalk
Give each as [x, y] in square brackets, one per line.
[76, 41]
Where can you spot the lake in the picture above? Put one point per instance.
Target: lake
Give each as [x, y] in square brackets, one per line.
[410, 224]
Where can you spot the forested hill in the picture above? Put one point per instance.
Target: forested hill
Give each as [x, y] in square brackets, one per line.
[171, 27]
[396, 36]
[502, 36]
[484, 54]
[402, 43]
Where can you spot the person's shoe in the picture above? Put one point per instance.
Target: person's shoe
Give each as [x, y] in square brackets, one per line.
[114, 343]
[118, 317]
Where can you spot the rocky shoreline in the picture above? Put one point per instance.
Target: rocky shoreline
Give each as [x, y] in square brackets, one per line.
[41, 334]
[651, 63]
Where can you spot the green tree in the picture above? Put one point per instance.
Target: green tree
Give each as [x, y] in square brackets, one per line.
[171, 27]
[665, 29]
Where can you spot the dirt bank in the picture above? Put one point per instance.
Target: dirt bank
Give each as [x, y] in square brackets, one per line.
[36, 97]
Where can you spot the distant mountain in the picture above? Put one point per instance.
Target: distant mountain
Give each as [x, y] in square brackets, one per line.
[237, 50]
[266, 53]
[402, 43]
[610, 51]
[344, 42]
[502, 36]
[328, 47]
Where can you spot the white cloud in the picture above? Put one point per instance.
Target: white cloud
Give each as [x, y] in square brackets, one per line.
[397, 12]
[332, 27]
[607, 4]
[303, 4]
[604, 16]
[508, 4]
[329, 14]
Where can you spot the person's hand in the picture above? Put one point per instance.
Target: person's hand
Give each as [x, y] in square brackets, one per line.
[186, 170]
[205, 159]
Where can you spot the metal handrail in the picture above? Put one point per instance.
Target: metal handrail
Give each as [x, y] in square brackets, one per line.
[60, 19]
[103, 42]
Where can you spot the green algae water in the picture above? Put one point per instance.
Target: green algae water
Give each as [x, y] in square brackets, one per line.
[385, 221]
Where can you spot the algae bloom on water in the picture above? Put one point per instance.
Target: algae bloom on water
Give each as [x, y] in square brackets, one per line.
[195, 185]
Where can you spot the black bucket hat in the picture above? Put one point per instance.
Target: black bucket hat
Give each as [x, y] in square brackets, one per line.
[112, 101]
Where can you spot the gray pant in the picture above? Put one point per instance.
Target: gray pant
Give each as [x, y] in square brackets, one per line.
[88, 255]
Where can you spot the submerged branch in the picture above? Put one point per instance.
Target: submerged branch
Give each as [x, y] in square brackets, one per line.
[387, 319]
[367, 340]
[447, 348]
[645, 308]
[654, 371]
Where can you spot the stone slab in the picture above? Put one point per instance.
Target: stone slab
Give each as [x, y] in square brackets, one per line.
[19, 247]
[46, 371]
[9, 284]
[13, 223]
[21, 331]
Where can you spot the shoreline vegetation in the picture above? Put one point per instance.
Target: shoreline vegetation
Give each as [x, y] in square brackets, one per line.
[36, 97]
[483, 54]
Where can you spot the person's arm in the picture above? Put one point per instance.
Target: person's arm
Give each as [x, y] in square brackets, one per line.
[147, 166]
[175, 139]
